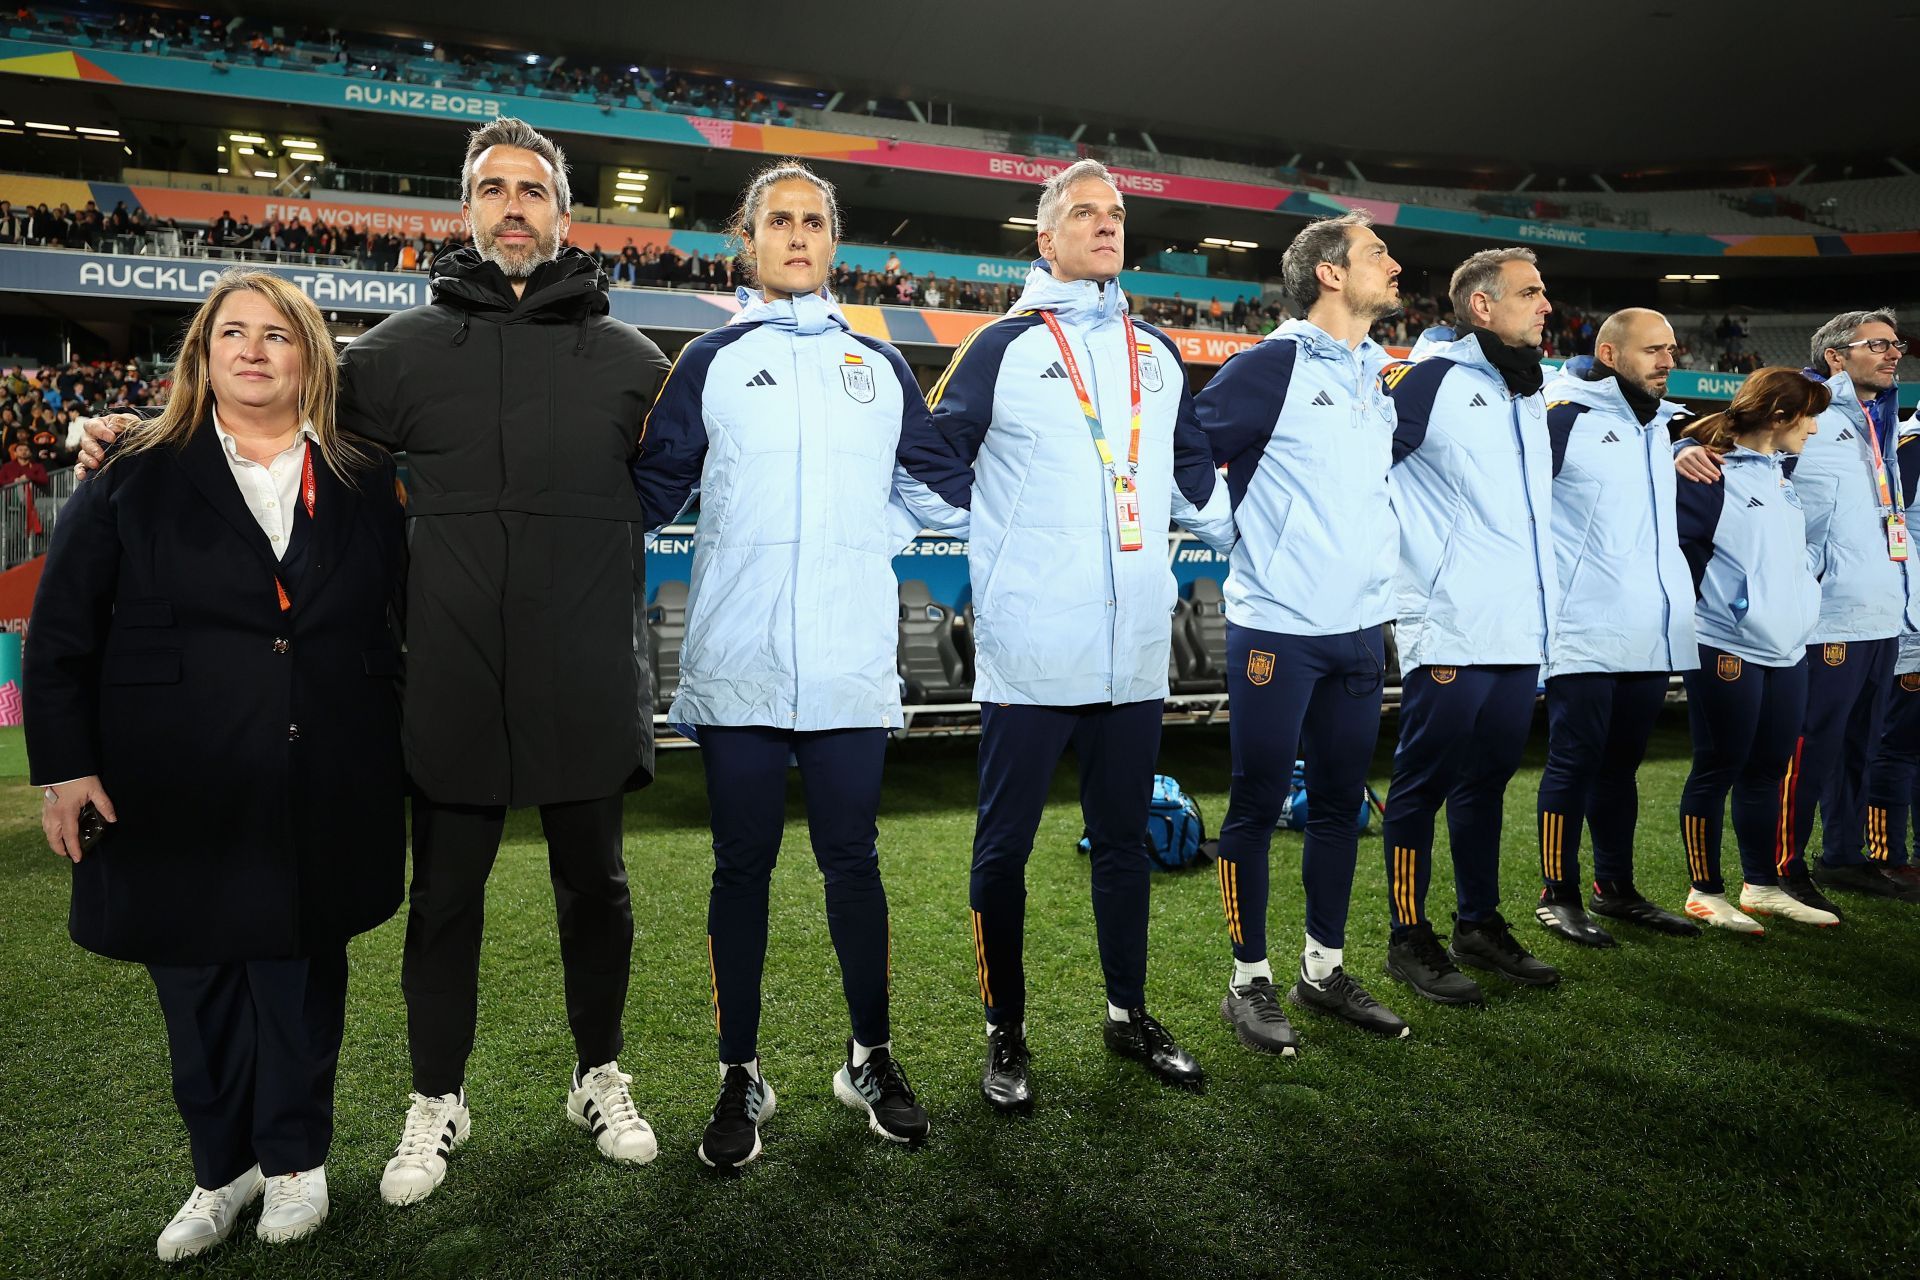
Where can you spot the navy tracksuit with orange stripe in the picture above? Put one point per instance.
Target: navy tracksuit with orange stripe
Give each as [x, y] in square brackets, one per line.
[1893, 776]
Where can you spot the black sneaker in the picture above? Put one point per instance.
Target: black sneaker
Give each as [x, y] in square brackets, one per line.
[1863, 878]
[733, 1131]
[1564, 917]
[1629, 904]
[1490, 945]
[1347, 1000]
[1799, 886]
[1004, 1083]
[1419, 960]
[1253, 1011]
[879, 1087]
[1147, 1043]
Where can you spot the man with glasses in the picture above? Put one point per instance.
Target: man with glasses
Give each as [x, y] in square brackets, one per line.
[1848, 482]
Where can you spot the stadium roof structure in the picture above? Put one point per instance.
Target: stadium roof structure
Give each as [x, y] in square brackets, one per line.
[1640, 84]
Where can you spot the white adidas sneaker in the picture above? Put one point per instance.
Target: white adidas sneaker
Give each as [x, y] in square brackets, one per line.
[1714, 909]
[601, 1103]
[435, 1126]
[296, 1204]
[207, 1217]
[1772, 900]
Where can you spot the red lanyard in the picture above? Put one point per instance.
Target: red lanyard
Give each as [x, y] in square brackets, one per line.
[1879, 462]
[1086, 401]
[308, 492]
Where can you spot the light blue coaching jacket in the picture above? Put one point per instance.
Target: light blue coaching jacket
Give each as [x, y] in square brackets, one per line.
[1062, 616]
[1306, 432]
[1626, 597]
[1745, 540]
[791, 426]
[1472, 487]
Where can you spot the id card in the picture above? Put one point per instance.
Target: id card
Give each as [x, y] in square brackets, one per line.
[1897, 537]
[1126, 510]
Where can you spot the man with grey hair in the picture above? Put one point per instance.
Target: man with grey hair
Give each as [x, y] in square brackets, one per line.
[1848, 482]
[1306, 432]
[1476, 601]
[518, 401]
[1074, 437]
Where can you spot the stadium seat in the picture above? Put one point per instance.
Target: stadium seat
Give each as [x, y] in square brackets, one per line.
[1185, 673]
[666, 629]
[1392, 680]
[929, 661]
[963, 639]
[1207, 631]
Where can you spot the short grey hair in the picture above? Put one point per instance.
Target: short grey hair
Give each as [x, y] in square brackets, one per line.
[1481, 274]
[1053, 196]
[1322, 240]
[1839, 331]
[506, 131]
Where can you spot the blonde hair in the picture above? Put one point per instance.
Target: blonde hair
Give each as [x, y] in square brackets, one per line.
[192, 395]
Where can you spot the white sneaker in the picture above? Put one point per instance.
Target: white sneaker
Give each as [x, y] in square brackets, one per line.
[601, 1103]
[1772, 900]
[296, 1205]
[207, 1217]
[1714, 909]
[435, 1126]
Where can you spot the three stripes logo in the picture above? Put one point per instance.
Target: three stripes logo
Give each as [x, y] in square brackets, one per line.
[1323, 399]
[762, 379]
[1478, 402]
[1610, 438]
[1755, 502]
[1846, 433]
[1054, 370]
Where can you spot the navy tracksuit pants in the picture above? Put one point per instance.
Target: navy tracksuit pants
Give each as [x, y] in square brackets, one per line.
[1847, 692]
[1746, 722]
[1894, 775]
[1598, 726]
[1320, 694]
[840, 772]
[254, 1046]
[1117, 747]
[1462, 733]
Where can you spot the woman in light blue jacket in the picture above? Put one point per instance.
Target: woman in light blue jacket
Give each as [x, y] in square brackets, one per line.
[789, 425]
[1744, 537]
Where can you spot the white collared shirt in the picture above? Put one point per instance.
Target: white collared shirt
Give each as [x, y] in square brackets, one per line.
[270, 490]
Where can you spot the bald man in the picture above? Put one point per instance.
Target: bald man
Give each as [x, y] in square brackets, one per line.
[1625, 622]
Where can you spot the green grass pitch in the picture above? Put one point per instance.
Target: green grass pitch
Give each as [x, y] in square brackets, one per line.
[1677, 1107]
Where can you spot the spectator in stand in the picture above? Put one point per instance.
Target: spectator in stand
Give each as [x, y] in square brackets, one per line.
[21, 465]
[12, 225]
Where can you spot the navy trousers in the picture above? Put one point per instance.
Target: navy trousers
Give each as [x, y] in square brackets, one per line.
[1746, 723]
[1598, 726]
[254, 1047]
[1847, 691]
[1020, 746]
[1462, 733]
[1894, 774]
[840, 771]
[1320, 695]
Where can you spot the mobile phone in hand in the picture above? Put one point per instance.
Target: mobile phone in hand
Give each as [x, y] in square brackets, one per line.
[92, 827]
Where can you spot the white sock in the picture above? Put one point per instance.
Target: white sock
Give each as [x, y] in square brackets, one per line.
[1244, 973]
[991, 1028]
[1318, 961]
[753, 1068]
[1118, 1014]
[861, 1052]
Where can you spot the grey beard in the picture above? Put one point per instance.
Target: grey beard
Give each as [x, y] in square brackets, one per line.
[520, 268]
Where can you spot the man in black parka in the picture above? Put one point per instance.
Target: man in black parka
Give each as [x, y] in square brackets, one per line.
[518, 401]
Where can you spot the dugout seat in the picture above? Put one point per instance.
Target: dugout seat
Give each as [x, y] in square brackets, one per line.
[1184, 666]
[1207, 632]
[666, 630]
[928, 659]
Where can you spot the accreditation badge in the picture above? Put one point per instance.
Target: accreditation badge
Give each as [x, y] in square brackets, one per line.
[1897, 537]
[1126, 512]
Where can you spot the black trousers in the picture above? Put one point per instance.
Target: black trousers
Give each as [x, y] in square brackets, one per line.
[453, 851]
[254, 1046]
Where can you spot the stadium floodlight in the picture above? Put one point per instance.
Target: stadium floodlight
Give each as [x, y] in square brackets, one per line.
[254, 138]
[532, 59]
[427, 45]
[299, 144]
[636, 175]
[1021, 220]
[1698, 279]
[630, 186]
[1245, 244]
[245, 151]
[314, 156]
[96, 133]
[1681, 277]
[6, 124]
[219, 170]
[1218, 242]
[265, 173]
[51, 128]
[619, 198]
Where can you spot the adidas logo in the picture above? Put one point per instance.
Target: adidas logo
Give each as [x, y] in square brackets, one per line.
[1323, 398]
[1755, 502]
[1610, 438]
[1054, 371]
[762, 379]
[1846, 433]
[1478, 402]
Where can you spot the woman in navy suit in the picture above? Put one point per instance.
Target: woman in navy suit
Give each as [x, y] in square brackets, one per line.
[212, 667]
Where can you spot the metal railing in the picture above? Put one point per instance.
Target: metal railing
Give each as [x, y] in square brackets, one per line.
[27, 516]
